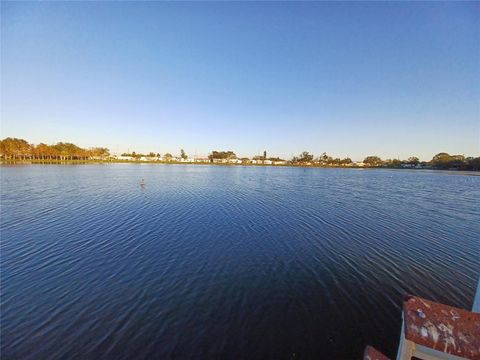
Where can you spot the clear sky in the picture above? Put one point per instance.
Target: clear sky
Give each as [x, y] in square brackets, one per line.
[394, 79]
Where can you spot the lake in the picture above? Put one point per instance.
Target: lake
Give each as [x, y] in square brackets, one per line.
[227, 262]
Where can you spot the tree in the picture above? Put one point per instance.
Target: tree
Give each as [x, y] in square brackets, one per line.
[183, 155]
[100, 152]
[441, 159]
[13, 148]
[413, 160]
[473, 164]
[373, 161]
[41, 151]
[168, 157]
[336, 161]
[305, 157]
[222, 155]
[447, 161]
[68, 150]
[324, 159]
[395, 163]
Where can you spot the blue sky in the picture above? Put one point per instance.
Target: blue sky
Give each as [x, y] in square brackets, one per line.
[394, 79]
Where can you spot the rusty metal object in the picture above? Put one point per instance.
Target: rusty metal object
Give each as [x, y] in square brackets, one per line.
[371, 353]
[442, 327]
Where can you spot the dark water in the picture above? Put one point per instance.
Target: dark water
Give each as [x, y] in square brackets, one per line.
[226, 262]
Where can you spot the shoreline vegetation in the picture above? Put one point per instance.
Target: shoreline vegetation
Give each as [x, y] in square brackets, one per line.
[19, 151]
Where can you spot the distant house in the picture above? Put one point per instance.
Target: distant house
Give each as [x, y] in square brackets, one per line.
[267, 162]
[125, 158]
[201, 160]
[258, 159]
[279, 162]
[359, 164]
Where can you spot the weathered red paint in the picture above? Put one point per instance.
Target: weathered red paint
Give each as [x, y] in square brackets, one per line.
[442, 327]
[371, 353]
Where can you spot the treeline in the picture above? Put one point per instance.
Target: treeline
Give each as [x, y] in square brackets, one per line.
[442, 161]
[322, 160]
[20, 149]
[133, 154]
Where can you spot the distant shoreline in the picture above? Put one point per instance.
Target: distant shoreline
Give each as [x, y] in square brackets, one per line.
[91, 162]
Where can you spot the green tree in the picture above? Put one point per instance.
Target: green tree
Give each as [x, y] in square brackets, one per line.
[99, 152]
[183, 155]
[395, 163]
[447, 161]
[441, 159]
[413, 160]
[305, 157]
[373, 161]
[222, 155]
[473, 164]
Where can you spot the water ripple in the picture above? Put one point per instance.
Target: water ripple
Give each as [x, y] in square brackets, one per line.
[226, 262]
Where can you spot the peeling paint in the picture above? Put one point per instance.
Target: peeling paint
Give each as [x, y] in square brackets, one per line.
[442, 327]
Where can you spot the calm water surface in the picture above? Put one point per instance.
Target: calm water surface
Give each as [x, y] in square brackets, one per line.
[226, 262]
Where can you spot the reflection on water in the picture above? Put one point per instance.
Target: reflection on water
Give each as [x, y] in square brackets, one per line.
[226, 262]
